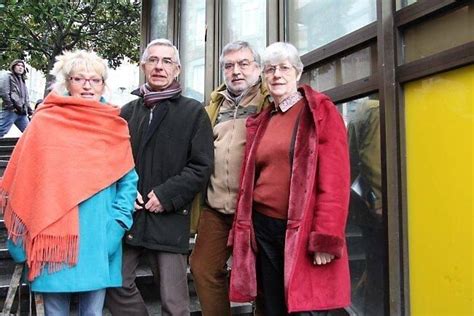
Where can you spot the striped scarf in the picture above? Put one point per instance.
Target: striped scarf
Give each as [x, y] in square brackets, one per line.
[152, 97]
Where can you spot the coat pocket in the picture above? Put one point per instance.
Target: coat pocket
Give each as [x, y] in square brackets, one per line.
[243, 273]
[114, 236]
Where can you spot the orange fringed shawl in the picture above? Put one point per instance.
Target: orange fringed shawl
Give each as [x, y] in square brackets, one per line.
[72, 149]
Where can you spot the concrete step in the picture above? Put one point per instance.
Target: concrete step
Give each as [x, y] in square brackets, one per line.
[8, 141]
[154, 305]
[6, 149]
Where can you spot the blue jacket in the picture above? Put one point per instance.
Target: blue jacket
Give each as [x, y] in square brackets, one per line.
[102, 221]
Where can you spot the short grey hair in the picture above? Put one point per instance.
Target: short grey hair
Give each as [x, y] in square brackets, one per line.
[74, 61]
[236, 46]
[160, 42]
[279, 52]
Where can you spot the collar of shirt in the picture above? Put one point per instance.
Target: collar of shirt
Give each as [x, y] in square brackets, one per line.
[288, 103]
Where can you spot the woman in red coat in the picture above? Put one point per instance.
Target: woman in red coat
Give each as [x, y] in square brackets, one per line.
[288, 231]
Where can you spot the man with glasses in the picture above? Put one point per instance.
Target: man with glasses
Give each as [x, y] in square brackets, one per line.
[242, 95]
[171, 140]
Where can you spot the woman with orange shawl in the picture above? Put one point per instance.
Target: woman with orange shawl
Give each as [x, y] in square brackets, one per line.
[69, 189]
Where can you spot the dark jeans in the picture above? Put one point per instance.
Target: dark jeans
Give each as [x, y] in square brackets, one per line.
[91, 303]
[270, 235]
[8, 118]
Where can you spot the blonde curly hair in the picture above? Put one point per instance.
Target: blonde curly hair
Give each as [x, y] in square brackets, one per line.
[71, 62]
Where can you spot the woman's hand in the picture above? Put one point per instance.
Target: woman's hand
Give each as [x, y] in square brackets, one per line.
[322, 258]
[138, 202]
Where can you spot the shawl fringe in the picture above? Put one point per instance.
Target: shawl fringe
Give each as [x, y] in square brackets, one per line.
[51, 253]
[15, 226]
[43, 251]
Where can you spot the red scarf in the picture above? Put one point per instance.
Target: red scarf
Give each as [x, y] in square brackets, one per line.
[72, 149]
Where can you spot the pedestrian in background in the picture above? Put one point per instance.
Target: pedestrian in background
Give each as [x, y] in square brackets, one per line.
[14, 94]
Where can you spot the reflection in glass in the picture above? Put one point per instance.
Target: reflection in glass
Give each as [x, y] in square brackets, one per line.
[441, 33]
[192, 48]
[358, 65]
[312, 24]
[404, 3]
[159, 19]
[245, 20]
[365, 230]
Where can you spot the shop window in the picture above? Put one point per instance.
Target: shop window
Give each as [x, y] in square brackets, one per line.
[245, 20]
[312, 24]
[439, 34]
[192, 47]
[358, 65]
[365, 233]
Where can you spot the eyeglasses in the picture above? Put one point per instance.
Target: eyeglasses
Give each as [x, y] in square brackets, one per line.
[81, 81]
[243, 64]
[271, 69]
[166, 62]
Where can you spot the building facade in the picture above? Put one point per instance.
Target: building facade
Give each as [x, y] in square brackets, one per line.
[402, 75]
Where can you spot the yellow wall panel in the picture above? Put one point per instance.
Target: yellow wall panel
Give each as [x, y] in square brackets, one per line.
[440, 173]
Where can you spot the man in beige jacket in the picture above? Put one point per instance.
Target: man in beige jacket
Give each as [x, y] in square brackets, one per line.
[241, 96]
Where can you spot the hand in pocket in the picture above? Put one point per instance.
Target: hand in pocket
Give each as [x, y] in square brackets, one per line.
[115, 234]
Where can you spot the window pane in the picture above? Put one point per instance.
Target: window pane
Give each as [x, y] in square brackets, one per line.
[433, 36]
[312, 24]
[192, 49]
[245, 20]
[159, 19]
[404, 3]
[121, 82]
[358, 65]
[365, 229]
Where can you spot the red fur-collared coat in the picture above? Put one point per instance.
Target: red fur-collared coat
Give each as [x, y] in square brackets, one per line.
[318, 206]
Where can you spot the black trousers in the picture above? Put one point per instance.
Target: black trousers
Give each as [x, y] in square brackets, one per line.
[270, 235]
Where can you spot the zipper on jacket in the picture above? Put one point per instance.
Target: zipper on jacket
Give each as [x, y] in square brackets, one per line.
[151, 115]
